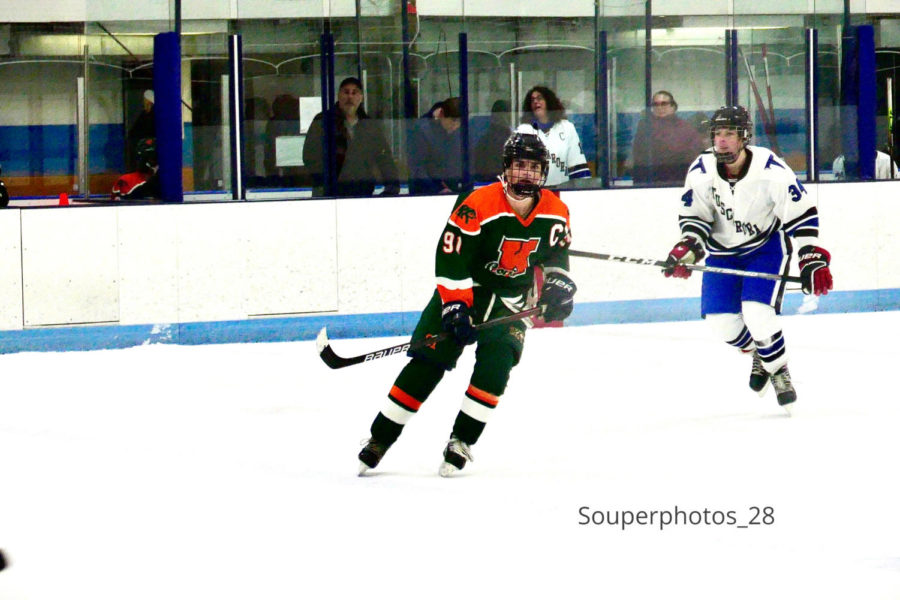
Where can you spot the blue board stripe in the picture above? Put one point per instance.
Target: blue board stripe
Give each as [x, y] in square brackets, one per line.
[100, 337]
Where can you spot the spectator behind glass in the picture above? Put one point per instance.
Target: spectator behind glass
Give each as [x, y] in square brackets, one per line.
[487, 155]
[545, 116]
[144, 127]
[885, 168]
[363, 157]
[257, 115]
[285, 122]
[435, 157]
[664, 145]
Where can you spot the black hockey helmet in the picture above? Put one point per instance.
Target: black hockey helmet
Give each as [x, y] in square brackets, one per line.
[526, 146]
[730, 117]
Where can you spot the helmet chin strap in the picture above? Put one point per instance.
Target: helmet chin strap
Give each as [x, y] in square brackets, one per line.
[728, 158]
[525, 190]
[725, 158]
[521, 201]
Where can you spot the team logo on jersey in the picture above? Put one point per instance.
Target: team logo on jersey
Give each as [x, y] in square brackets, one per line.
[514, 255]
[466, 213]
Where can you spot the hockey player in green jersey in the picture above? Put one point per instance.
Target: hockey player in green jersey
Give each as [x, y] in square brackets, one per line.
[484, 266]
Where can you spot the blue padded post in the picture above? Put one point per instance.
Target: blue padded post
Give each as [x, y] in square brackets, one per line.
[167, 109]
[865, 110]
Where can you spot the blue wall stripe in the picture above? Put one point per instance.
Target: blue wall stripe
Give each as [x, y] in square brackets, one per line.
[58, 339]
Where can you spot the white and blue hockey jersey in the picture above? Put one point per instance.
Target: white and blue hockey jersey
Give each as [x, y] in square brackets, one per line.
[734, 219]
[567, 159]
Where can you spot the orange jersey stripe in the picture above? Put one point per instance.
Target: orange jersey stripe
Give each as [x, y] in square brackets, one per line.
[483, 396]
[490, 201]
[404, 399]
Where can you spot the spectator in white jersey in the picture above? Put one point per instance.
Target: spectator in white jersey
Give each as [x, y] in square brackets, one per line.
[545, 116]
[744, 206]
[885, 168]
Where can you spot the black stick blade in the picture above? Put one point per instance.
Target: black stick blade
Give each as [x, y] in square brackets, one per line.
[328, 356]
[338, 362]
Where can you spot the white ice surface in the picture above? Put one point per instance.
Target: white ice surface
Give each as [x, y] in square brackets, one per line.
[229, 472]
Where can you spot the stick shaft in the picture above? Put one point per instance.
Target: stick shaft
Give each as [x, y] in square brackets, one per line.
[662, 264]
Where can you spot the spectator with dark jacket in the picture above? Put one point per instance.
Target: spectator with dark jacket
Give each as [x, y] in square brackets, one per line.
[363, 158]
[487, 155]
[664, 145]
[435, 157]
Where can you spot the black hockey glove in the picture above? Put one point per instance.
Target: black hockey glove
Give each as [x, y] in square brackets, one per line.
[457, 321]
[686, 252]
[557, 297]
[814, 271]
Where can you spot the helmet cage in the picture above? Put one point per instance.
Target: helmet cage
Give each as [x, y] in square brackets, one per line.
[732, 118]
[525, 146]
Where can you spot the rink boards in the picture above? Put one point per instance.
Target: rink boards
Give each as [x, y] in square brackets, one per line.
[113, 276]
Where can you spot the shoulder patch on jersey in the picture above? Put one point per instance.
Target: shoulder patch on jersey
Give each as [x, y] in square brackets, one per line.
[698, 165]
[466, 218]
[482, 205]
[772, 161]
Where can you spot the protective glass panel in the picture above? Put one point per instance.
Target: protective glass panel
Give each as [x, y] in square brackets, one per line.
[772, 76]
[41, 70]
[119, 82]
[433, 130]
[282, 93]
[688, 78]
[625, 25]
[535, 74]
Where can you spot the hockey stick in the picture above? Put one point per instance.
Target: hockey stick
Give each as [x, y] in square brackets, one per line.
[663, 265]
[890, 123]
[768, 126]
[774, 124]
[765, 58]
[338, 362]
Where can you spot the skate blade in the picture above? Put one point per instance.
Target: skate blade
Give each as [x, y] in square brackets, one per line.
[447, 470]
[363, 469]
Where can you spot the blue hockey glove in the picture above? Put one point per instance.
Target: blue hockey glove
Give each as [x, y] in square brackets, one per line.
[457, 321]
[557, 297]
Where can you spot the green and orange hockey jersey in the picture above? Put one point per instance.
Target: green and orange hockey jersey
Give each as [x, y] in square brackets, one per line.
[485, 243]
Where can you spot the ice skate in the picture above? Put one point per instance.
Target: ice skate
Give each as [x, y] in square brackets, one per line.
[759, 377]
[456, 454]
[784, 389]
[371, 455]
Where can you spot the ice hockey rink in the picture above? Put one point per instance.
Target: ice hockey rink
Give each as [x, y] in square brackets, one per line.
[229, 472]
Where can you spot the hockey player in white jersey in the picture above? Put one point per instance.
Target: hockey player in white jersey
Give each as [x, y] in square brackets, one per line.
[744, 206]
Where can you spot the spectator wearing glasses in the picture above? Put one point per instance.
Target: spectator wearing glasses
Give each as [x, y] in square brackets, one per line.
[664, 144]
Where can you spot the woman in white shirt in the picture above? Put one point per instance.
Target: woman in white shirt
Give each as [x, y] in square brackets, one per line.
[544, 115]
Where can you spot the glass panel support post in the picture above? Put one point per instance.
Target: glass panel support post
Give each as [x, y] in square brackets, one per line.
[812, 107]
[236, 116]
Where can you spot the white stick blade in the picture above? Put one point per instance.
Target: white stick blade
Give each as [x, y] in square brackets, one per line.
[322, 340]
